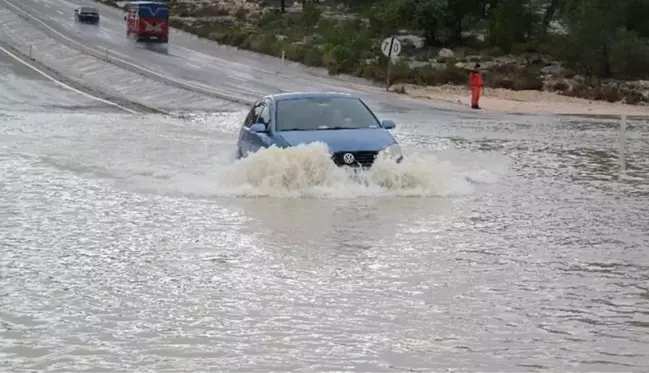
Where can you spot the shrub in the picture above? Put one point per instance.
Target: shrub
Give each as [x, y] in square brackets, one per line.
[313, 55]
[527, 79]
[560, 86]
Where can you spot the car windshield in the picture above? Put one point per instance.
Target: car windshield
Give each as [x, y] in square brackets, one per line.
[87, 10]
[310, 114]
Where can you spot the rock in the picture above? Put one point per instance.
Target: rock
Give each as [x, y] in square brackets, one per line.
[554, 69]
[529, 58]
[487, 65]
[474, 58]
[416, 64]
[446, 53]
[416, 41]
[438, 66]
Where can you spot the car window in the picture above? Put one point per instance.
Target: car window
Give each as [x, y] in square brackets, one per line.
[249, 118]
[87, 10]
[258, 108]
[264, 117]
[254, 114]
[324, 113]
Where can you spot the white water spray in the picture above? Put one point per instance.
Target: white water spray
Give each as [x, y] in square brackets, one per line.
[307, 171]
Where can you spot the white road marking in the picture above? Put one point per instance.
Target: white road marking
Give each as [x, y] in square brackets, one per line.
[65, 85]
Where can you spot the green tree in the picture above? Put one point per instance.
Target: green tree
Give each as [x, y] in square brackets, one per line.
[551, 9]
[427, 17]
[418, 15]
[459, 14]
[637, 17]
[592, 28]
[510, 22]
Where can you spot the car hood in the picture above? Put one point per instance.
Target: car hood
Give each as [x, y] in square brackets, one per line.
[365, 139]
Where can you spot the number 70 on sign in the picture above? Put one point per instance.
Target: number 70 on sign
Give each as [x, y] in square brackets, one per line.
[396, 46]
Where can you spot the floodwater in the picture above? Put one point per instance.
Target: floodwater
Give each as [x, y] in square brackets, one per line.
[135, 243]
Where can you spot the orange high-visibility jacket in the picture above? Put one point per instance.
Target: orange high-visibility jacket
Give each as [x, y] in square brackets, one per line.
[475, 79]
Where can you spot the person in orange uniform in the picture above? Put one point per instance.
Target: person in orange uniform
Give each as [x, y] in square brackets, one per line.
[475, 82]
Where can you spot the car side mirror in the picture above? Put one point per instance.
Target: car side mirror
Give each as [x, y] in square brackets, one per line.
[258, 128]
[388, 124]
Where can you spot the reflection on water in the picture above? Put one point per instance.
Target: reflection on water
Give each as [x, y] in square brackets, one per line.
[329, 224]
[146, 248]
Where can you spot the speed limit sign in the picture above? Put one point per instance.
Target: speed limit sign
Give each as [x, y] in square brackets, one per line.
[391, 43]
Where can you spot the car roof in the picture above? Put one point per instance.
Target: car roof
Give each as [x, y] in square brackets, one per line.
[307, 95]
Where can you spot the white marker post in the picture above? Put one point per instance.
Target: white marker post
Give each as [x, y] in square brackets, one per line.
[621, 144]
[30, 51]
[391, 47]
[283, 55]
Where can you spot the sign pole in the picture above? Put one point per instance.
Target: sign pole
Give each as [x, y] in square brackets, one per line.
[387, 77]
[391, 47]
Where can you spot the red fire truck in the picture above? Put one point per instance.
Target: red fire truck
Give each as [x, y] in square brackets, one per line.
[147, 21]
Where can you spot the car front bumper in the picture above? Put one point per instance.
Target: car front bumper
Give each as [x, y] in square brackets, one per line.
[359, 159]
[87, 19]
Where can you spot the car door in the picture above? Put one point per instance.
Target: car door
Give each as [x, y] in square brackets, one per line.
[261, 140]
[245, 137]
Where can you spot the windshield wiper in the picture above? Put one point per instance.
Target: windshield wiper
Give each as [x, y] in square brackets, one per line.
[337, 128]
[323, 128]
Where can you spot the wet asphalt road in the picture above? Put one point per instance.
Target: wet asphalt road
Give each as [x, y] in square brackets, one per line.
[207, 64]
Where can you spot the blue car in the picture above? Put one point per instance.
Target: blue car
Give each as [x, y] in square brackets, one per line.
[353, 133]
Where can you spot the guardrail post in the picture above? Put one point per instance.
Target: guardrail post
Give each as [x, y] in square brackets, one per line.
[30, 51]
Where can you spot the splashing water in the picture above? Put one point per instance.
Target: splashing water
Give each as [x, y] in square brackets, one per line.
[166, 164]
[304, 171]
[307, 171]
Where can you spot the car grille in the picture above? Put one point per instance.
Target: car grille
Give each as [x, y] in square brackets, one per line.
[361, 159]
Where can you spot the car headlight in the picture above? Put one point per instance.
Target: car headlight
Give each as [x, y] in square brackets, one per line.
[393, 152]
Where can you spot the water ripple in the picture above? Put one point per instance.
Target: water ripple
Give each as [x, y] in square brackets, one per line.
[542, 269]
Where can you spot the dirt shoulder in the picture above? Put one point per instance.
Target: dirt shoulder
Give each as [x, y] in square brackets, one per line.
[525, 102]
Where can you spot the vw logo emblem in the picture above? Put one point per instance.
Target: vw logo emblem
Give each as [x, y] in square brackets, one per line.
[348, 158]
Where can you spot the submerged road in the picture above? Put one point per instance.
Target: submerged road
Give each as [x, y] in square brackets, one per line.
[132, 242]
